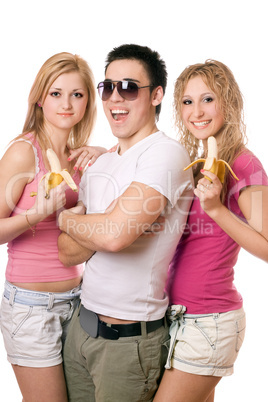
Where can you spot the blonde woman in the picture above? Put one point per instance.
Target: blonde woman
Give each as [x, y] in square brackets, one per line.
[40, 293]
[208, 324]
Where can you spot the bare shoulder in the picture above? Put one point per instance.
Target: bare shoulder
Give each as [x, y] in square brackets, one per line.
[17, 169]
[19, 157]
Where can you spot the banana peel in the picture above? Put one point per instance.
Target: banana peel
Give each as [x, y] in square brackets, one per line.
[212, 163]
[56, 175]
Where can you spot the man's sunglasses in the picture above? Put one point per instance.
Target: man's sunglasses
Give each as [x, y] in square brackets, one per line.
[127, 89]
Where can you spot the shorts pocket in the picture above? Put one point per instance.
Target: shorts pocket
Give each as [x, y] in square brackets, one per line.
[196, 341]
[19, 318]
[240, 332]
[205, 330]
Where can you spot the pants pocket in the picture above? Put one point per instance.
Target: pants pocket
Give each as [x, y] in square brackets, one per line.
[163, 359]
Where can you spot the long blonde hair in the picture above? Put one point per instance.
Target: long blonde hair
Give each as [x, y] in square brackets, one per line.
[219, 78]
[56, 65]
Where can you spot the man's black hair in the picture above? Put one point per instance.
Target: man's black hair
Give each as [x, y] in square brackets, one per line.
[153, 64]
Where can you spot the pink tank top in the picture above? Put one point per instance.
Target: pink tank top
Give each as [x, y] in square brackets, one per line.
[35, 259]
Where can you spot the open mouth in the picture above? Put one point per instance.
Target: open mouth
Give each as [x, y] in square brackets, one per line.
[119, 114]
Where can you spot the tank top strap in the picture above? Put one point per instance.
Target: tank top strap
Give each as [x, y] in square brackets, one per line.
[39, 164]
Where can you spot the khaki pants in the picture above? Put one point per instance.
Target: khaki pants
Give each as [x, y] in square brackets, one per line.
[103, 370]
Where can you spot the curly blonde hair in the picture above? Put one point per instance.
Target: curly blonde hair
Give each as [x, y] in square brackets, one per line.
[220, 80]
[60, 63]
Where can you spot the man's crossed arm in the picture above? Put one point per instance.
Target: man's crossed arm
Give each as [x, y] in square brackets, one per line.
[122, 223]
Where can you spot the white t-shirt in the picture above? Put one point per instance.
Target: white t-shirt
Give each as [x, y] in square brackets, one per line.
[130, 284]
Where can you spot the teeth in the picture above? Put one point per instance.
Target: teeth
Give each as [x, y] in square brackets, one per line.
[119, 111]
[200, 123]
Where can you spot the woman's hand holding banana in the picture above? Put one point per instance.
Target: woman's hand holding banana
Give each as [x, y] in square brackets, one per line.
[209, 188]
[51, 190]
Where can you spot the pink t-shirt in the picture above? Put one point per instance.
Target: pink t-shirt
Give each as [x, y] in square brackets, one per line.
[35, 259]
[201, 273]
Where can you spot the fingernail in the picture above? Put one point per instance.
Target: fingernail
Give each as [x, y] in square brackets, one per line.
[89, 164]
[75, 167]
[202, 170]
[80, 168]
[69, 159]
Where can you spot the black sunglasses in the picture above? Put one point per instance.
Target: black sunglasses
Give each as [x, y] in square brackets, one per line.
[127, 89]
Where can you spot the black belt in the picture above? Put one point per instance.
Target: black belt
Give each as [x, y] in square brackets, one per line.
[91, 323]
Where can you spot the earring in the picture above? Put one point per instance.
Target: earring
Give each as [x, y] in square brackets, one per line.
[39, 104]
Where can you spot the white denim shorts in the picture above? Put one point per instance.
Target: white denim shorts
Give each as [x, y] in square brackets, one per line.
[209, 344]
[34, 324]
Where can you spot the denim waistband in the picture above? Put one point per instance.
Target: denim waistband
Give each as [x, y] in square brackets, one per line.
[33, 298]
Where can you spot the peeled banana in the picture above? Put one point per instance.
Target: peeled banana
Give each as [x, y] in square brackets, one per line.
[212, 163]
[56, 175]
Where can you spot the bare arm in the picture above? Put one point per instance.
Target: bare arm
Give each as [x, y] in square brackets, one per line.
[129, 216]
[70, 252]
[17, 169]
[253, 202]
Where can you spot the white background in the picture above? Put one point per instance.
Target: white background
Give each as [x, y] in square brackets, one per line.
[183, 32]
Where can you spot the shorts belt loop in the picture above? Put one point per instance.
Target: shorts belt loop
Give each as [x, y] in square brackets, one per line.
[50, 301]
[12, 295]
[143, 329]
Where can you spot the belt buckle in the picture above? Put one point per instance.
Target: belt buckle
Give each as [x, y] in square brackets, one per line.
[89, 321]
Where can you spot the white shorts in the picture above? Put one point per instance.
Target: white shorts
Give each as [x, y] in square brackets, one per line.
[209, 344]
[34, 325]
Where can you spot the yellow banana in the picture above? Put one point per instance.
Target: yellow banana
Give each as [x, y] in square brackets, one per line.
[56, 174]
[212, 163]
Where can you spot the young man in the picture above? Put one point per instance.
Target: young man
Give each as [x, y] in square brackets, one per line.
[114, 349]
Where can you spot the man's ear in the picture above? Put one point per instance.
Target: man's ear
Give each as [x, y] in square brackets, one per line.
[158, 95]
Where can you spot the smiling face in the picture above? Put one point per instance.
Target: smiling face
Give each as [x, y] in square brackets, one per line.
[200, 110]
[131, 121]
[65, 103]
